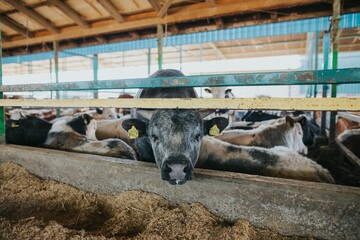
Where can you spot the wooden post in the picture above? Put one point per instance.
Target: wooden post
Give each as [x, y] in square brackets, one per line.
[160, 45]
[2, 109]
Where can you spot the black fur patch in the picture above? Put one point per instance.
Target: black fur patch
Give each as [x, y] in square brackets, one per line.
[233, 165]
[264, 158]
[233, 149]
[79, 124]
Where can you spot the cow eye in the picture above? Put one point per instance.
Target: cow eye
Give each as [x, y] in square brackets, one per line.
[154, 138]
[197, 137]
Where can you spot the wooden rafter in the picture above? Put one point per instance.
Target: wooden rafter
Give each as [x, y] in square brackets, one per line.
[16, 26]
[18, 5]
[155, 4]
[181, 14]
[71, 13]
[211, 2]
[4, 38]
[164, 9]
[111, 8]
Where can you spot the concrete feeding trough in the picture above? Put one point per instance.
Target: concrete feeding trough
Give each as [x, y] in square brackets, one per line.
[289, 207]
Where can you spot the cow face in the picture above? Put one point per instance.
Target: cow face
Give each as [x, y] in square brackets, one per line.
[84, 125]
[295, 136]
[175, 138]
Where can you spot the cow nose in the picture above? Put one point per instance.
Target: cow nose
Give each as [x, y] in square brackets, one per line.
[177, 172]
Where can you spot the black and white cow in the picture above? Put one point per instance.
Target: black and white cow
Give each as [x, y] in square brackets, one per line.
[176, 139]
[78, 134]
[28, 131]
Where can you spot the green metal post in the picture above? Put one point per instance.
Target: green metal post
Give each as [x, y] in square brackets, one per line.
[56, 64]
[2, 109]
[317, 34]
[326, 50]
[335, 49]
[149, 61]
[95, 62]
[160, 45]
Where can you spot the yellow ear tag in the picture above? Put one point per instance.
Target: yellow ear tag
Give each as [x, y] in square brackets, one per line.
[133, 133]
[214, 131]
[13, 125]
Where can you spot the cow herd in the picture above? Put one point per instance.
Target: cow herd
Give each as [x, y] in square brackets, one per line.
[178, 140]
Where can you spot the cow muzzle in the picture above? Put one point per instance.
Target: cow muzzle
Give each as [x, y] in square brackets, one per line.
[177, 170]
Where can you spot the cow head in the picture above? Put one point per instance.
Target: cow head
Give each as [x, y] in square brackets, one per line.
[175, 138]
[295, 136]
[84, 124]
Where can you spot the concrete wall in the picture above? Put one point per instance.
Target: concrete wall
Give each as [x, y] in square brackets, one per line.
[289, 207]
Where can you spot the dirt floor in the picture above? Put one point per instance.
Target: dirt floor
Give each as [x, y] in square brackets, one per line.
[32, 208]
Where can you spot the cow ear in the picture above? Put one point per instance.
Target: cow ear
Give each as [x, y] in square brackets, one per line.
[87, 118]
[99, 111]
[208, 90]
[135, 127]
[215, 126]
[302, 120]
[289, 121]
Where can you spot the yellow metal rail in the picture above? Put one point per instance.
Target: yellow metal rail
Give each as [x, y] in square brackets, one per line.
[309, 104]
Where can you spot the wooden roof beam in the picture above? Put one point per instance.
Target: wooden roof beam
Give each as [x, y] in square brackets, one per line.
[18, 5]
[16, 26]
[164, 9]
[192, 12]
[211, 2]
[71, 13]
[111, 8]
[4, 38]
[155, 4]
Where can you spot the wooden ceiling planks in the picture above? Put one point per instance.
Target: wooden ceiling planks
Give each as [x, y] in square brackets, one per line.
[91, 12]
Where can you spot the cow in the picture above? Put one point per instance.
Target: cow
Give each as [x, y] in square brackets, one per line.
[78, 135]
[351, 139]
[100, 114]
[258, 116]
[124, 111]
[309, 129]
[281, 133]
[28, 131]
[112, 128]
[176, 140]
[222, 92]
[343, 124]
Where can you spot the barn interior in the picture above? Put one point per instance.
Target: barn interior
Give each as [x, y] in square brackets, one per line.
[278, 57]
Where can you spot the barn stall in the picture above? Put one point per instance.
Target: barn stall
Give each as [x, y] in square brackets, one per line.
[287, 207]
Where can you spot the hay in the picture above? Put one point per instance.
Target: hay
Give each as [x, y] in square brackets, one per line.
[32, 208]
